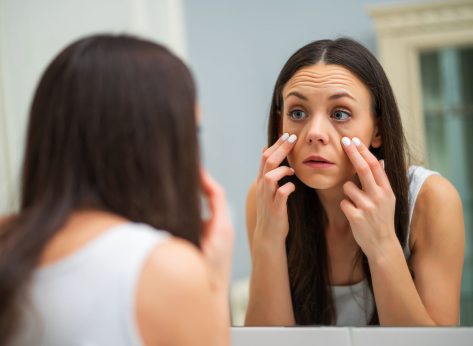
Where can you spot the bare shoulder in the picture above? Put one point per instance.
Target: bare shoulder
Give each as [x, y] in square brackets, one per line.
[174, 257]
[175, 267]
[438, 209]
[251, 211]
[437, 193]
[436, 188]
[174, 284]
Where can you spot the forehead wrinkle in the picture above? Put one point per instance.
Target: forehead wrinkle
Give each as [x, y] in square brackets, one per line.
[312, 74]
[312, 84]
[324, 72]
[322, 79]
[315, 84]
[316, 80]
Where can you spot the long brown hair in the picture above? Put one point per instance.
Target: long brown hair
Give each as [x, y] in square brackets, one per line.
[112, 127]
[306, 244]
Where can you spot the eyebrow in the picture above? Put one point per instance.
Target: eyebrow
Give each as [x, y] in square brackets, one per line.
[340, 95]
[332, 97]
[296, 94]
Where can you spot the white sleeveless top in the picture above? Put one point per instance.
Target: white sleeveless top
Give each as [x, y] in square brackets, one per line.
[87, 298]
[354, 303]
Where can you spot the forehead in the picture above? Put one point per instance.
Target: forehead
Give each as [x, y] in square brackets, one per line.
[323, 77]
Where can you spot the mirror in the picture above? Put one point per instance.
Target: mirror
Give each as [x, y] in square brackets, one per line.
[236, 51]
[400, 48]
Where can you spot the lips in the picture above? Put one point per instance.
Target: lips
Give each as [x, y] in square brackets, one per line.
[315, 159]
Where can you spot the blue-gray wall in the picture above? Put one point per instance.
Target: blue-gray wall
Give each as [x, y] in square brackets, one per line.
[236, 50]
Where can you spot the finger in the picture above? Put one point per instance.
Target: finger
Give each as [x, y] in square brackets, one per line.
[376, 168]
[279, 154]
[282, 194]
[209, 185]
[349, 209]
[268, 151]
[355, 194]
[278, 143]
[359, 163]
[271, 179]
[215, 196]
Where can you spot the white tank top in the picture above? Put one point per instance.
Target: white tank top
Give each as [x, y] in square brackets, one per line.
[87, 298]
[354, 303]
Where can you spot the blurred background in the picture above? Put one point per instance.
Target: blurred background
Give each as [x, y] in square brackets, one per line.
[236, 50]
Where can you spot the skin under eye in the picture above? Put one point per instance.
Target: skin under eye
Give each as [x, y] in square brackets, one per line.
[297, 115]
[341, 115]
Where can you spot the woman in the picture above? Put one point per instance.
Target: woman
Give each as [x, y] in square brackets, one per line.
[341, 230]
[108, 247]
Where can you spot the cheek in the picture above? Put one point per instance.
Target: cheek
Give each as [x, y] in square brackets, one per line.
[349, 130]
[364, 130]
[295, 155]
[364, 133]
[292, 156]
[290, 127]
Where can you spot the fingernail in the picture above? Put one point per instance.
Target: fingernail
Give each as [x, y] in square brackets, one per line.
[285, 136]
[382, 163]
[346, 141]
[292, 169]
[356, 141]
[292, 139]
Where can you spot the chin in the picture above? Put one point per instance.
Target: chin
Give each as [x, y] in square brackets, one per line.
[319, 181]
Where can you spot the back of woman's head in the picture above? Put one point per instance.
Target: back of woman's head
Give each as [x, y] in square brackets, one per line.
[112, 127]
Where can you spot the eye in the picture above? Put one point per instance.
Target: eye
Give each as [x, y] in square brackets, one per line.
[340, 115]
[297, 115]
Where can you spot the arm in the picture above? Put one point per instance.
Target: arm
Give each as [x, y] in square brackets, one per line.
[270, 298]
[176, 303]
[438, 237]
[267, 225]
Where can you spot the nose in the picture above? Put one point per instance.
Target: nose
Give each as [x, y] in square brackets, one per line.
[317, 130]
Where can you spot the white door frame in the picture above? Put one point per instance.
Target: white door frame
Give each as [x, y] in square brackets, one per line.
[403, 31]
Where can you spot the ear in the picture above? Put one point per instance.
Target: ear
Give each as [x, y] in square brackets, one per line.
[376, 140]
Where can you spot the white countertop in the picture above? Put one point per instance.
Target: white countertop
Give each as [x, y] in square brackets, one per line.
[344, 336]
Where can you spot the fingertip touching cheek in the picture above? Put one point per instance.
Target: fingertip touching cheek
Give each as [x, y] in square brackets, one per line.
[321, 105]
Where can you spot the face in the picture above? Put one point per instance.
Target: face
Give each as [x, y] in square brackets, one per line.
[322, 104]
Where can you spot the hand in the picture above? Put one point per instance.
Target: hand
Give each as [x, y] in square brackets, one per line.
[271, 199]
[369, 210]
[218, 233]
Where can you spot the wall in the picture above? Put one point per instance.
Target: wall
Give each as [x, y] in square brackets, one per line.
[32, 32]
